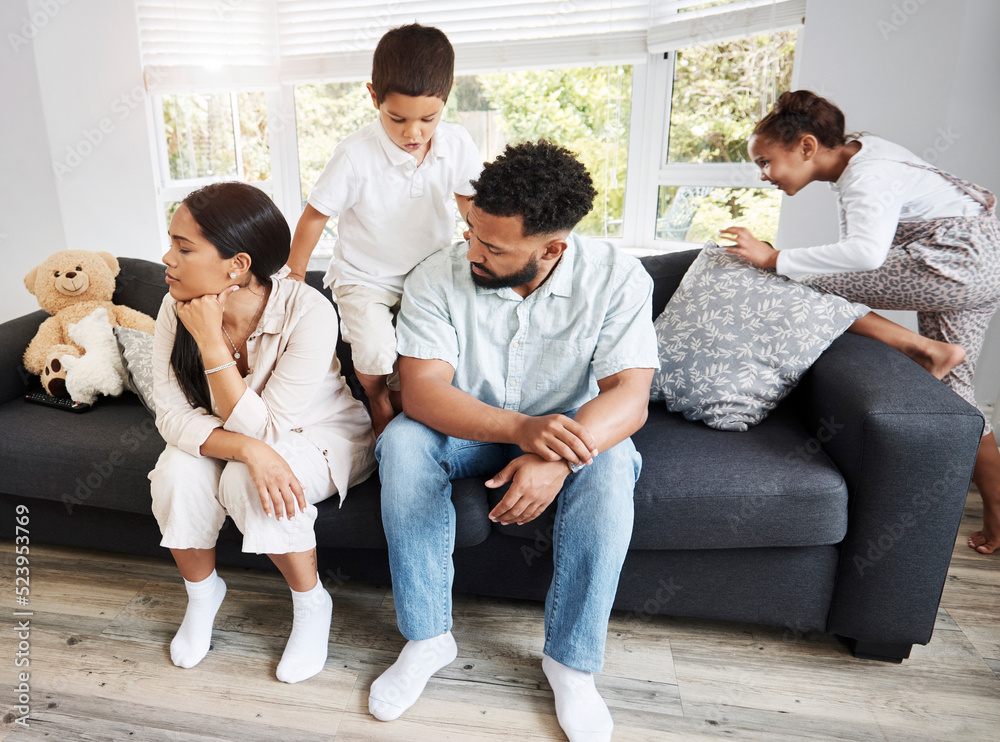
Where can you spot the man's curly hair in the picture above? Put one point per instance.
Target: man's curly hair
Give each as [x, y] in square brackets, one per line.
[541, 182]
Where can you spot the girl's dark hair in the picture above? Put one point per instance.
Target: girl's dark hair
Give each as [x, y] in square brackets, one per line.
[802, 112]
[413, 60]
[235, 218]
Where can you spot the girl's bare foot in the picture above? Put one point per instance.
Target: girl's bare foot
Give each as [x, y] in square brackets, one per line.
[987, 478]
[937, 357]
[987, 540]
[982, 542]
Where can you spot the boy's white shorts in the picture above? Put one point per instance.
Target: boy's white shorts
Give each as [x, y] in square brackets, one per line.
[368, 323]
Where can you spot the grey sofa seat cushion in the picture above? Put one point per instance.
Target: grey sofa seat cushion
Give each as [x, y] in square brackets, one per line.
[99, 458]
[771, 486]
[768, 487]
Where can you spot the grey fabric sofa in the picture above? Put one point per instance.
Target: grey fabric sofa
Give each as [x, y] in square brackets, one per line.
[837, 514]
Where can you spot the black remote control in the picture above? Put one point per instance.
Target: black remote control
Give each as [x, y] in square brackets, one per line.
[61, 404]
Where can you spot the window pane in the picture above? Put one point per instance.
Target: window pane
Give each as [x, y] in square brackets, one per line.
[325, 114]
[254, 145]
[721, 91]
[584, 109]
[199, 133]
[697, 213]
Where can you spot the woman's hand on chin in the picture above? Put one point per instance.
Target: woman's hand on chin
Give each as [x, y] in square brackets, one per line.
[749, 247]
[202, 316]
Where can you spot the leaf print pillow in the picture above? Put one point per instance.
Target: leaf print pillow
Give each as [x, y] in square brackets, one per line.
[734, 340]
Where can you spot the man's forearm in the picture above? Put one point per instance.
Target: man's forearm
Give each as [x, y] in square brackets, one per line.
[619, 410]
[455, 413]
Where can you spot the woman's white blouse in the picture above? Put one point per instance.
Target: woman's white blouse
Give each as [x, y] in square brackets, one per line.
[295, 384]
[877, 191]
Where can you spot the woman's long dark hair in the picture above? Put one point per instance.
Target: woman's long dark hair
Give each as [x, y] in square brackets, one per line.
[234, 218]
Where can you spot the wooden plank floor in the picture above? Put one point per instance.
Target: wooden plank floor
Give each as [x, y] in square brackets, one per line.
[100, 666]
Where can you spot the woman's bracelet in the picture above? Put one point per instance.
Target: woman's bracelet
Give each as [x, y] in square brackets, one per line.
[219, 368]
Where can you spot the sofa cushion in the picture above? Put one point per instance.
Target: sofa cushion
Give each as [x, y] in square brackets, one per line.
[770, 486]
[707, 489]
[100, 457]
[734, 339]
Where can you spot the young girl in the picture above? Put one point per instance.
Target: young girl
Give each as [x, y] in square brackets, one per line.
[258, 421]
[912, 237]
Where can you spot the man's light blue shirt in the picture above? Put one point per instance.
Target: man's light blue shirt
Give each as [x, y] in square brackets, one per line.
[539, 354]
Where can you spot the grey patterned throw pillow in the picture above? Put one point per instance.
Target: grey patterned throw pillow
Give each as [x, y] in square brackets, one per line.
[136, 349]
[734, 340]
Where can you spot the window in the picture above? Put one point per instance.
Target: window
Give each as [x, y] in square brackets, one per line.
[706, 180]
[586, 109]
[204, 138]
[629, 81]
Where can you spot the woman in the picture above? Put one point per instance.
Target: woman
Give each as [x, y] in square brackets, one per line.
[912, 237]
[258, 421]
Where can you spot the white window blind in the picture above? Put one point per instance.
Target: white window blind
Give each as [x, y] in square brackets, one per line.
[683, 23]
[329, 40]
[209, 45]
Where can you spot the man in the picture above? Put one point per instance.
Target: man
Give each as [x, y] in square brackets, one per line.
[525, 355]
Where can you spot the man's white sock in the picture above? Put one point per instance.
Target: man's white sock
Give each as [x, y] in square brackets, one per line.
[193, 639]
[581, 711]
[400, 686]
[309, 643]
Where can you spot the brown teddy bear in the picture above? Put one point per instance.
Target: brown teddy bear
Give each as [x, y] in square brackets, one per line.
[70, 285]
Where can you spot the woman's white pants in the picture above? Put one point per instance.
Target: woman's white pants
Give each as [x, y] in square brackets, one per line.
[192, 496]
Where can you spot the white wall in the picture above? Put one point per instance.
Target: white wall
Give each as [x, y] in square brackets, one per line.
[922, 73]
[75, 125]
[31, 223]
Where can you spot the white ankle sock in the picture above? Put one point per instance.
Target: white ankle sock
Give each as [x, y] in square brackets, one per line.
[400, 686]
[581, 711]
[308, 645]
[194, 637]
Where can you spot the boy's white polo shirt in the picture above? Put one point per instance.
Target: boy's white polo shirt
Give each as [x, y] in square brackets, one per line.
[393, 214]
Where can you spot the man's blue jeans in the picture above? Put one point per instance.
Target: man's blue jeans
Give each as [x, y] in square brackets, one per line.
[593, 526]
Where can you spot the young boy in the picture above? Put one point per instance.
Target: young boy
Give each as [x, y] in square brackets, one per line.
[391, 182]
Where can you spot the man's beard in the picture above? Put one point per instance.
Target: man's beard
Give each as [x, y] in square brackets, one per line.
[520, 277]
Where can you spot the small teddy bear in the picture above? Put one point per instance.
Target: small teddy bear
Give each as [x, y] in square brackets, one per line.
[69, 285]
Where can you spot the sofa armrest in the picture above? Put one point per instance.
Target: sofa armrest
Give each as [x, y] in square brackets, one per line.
[14, 338]
[906, 445]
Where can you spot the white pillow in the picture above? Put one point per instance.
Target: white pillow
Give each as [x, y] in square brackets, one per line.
[734, 340]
